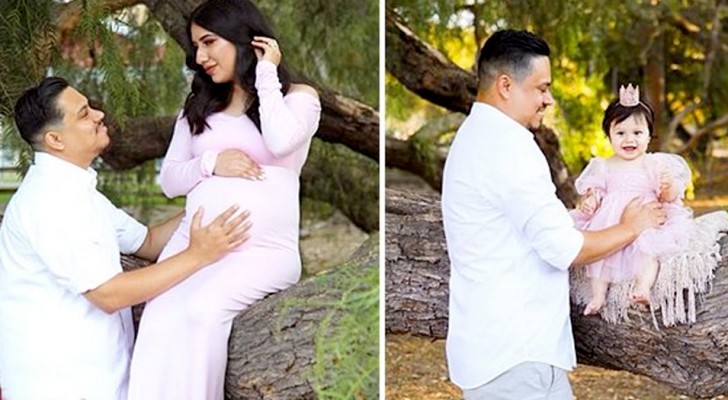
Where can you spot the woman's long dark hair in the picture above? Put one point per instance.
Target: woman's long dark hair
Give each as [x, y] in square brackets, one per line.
[237, 21]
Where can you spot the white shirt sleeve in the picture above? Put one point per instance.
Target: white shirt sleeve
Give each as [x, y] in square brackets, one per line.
[130, 233]
[528, 198]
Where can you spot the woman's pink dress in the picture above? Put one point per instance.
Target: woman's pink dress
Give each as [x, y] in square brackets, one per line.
[615, 191]
[181, 349]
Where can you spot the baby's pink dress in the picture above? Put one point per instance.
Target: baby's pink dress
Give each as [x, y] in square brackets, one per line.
[615, 191]
[181, 349]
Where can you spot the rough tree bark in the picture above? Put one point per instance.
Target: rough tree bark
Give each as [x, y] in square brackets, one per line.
[691, 359]
[427, 72]
[272, 344]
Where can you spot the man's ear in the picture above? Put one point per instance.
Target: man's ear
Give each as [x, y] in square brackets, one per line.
[53, 140]
[503, 85]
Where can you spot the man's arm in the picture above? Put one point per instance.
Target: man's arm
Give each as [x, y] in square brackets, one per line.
[635, 219]
[157, 237]
[207, 244]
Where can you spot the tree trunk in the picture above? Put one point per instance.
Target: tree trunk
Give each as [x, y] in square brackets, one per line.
[345, 179]
[272, 344]
[691, 359]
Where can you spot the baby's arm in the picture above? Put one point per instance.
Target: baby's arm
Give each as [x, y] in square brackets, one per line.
[589, 202]
[668, 191]
[674, 177]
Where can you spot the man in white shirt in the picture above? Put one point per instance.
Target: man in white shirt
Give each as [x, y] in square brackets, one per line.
[510, 240]
[65, 325]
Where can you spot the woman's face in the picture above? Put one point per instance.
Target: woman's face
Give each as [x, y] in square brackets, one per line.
[630, 137]
[215, 54]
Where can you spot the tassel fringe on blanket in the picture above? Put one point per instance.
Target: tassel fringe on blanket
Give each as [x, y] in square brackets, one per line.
[681, 282]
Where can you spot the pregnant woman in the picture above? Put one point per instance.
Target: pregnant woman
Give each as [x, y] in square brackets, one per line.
[242, 138]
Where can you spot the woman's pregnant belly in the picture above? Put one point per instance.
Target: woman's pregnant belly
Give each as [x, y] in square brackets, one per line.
[273, 204]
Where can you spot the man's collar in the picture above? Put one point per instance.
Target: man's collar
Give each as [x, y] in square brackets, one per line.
[56, 165]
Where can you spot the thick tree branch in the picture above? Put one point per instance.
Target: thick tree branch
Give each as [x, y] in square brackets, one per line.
[697, 135]
[425, 71]
[420, 153]
[426, 163]
[349, 122]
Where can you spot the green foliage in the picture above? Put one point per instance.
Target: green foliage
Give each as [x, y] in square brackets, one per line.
[28, 46]
[135, 187]
[10, 139]
[123, 61]
[347, 347]
[334, 42]
[405, 111]
[578, 117]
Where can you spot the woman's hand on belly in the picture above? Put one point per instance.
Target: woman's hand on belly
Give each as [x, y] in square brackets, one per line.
[236, 163]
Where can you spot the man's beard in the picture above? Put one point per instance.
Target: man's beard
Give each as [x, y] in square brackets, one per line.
[534, 127]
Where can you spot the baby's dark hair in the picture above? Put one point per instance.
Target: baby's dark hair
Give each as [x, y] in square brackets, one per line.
[617, 113]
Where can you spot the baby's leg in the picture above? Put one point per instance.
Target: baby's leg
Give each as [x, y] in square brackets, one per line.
[645, 279]
[599, 296]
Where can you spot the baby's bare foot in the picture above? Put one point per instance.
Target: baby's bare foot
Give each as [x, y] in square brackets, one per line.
[594, 306]
[641, 296]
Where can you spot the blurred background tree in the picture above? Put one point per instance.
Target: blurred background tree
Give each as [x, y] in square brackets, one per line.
[675, 50]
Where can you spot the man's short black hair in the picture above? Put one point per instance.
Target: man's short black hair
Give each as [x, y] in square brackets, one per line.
[510, 52]
[37, 108]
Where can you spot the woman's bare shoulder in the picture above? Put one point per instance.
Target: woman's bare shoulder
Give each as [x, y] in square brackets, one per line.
[303, 88]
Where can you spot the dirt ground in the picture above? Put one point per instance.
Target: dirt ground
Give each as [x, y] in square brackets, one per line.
[415, 367]
[416, 370]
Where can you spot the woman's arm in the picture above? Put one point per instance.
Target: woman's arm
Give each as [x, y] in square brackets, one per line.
[157, 237]
[181, 170]
[286, 123]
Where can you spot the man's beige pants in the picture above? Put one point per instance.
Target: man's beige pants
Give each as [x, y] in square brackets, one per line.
[525, 381]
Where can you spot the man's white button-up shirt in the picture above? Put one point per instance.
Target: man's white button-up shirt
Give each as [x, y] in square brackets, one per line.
[60, 238]
[510, 242]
